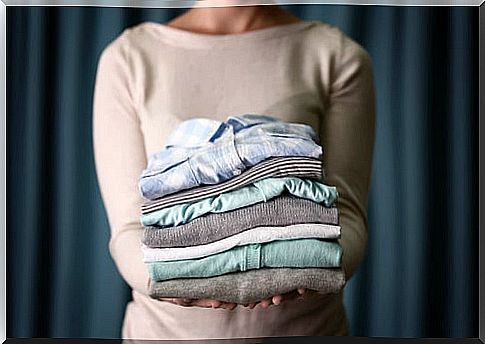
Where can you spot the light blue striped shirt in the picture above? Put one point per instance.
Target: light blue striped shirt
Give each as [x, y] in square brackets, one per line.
[203, 151]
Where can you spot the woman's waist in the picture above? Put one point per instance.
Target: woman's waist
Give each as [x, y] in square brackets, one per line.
[314, 314]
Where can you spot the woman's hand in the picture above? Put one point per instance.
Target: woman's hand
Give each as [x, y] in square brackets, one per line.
[205, 303]
[208, 303]
[278, 299]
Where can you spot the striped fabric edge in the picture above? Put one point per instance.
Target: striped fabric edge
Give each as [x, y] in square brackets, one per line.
[301, 173]
[277, 167]
[271, 164]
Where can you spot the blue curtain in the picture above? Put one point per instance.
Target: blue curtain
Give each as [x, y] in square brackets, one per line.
[419, 278]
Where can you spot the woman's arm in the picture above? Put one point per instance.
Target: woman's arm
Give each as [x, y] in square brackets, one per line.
[347, 134]
[120, 157]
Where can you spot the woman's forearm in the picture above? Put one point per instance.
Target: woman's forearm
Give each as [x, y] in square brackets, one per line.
[347, 135]
[120, 157]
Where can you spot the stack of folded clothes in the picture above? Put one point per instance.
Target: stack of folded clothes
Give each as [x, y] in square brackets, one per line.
[238, 212]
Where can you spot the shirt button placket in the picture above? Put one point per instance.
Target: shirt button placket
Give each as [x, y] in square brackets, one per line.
[253, 260]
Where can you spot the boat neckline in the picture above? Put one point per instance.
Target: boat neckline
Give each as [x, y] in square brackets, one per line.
[180, 35]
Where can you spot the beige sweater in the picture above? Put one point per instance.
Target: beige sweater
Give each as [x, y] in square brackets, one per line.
[153, 76]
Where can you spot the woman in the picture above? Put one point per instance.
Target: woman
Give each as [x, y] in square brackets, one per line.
[217, 62]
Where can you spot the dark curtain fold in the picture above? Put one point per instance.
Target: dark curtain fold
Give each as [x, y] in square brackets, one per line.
[419, 278]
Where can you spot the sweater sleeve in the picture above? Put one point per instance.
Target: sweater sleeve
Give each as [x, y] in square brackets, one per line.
[120, 157]
[347, 136]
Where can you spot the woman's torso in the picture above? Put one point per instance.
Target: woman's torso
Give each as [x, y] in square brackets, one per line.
[282, 71]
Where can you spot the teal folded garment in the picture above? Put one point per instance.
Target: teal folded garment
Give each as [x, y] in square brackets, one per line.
[260, 191]
[300, 253]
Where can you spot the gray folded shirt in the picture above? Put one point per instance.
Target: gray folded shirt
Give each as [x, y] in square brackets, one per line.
[280, 211]
[251, 286]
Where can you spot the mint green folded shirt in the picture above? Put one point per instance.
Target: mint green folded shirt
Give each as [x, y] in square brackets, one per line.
[299, 253]
[260, 191]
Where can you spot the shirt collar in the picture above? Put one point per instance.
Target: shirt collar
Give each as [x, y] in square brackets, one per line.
[196, 132]
[193, 133]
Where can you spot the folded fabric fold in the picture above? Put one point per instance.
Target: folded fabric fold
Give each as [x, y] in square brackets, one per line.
[189, 160]
[301, 253]
[259, 191]
[288, 166]
[256, 235]
[216, 226]
[251, 286]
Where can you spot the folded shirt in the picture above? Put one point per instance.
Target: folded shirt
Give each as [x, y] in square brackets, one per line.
[279, 211]
[251, 286]
[260, 191]
[301, 253]
[252, 236]
[288, 166]
[203, 151]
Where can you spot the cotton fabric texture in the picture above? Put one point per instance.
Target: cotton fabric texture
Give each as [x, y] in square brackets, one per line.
[280, 211]
[301, 167]
[238, 287]
[153, 77]
[251, 236]
[259, 191]
[276, 254]
[203, 151]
